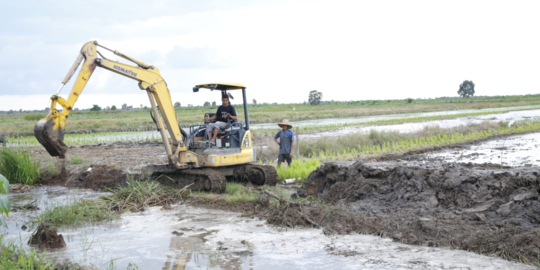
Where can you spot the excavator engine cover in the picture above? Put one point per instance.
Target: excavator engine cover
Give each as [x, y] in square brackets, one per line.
[50, 137]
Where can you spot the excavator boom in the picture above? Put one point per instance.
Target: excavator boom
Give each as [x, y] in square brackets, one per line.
[50, 130]
[202, 169]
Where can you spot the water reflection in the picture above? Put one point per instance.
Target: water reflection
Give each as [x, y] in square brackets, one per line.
[186, 251]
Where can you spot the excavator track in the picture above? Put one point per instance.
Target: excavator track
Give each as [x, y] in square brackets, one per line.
[207, 180]
[256, 174]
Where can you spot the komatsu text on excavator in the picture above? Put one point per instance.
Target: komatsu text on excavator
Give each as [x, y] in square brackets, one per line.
[192, 160]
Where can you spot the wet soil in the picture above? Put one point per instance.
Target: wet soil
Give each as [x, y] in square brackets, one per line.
[47, 237]
[97, 177]
[490, 210]
[486, 208]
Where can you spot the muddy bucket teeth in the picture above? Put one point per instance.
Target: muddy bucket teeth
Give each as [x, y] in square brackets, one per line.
[52, 139]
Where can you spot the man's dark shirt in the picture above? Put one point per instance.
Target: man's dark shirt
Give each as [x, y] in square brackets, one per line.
[222, 113]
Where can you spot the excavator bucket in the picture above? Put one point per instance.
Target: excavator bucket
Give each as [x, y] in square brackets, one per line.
[50, 134]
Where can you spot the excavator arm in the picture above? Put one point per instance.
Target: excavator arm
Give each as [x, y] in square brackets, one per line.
[50, 130]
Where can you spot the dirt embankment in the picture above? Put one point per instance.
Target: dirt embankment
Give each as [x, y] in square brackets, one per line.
[480, 208]
[97, 177]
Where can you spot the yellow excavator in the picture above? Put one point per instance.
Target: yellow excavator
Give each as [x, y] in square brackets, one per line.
[192, 160]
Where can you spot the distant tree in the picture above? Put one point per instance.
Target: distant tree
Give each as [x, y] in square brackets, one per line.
[190, 105]
[124, 106]
[113, 107]
[213, 103]
[95, 108]
[206, 104]
[466, 89]
[315, 97]
[142, 106]
[409, 100]
[255, 102]
[108, 108]
[177, 104]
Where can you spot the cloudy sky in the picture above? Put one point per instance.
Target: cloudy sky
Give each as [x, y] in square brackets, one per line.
[347, 49]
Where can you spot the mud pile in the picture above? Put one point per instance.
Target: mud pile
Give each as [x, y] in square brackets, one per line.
[47, 237]
[97, 177]
[482, 208]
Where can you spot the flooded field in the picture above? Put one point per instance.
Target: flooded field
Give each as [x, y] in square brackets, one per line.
[409, 199]
[445, 123]
[522, 112]
[187, 237]
[519, 150]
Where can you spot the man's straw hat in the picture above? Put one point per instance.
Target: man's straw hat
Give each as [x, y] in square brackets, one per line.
[285, 122]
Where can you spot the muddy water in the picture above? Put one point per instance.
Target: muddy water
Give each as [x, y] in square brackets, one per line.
[408, 127]
[193, 238]
[519, 150]
[413, 127]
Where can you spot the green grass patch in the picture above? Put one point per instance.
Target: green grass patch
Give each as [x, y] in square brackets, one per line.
[135, 196]
[76, 161]
[33, 116]
[18, 166]
[238, 193]
[376, 143]
[79, 213]
[299, 170]
[235, 193]
[15, 257]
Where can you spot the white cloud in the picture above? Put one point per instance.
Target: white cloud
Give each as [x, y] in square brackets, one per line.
[282, 50]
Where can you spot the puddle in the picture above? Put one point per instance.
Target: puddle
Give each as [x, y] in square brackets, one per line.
[519, 150]
[193, 238]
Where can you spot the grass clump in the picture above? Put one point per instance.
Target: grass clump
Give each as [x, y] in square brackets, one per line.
[300, 169]
[18, 166]
[238, 193]
[79, 213]
[76, 161]
[235, 193]
[138, 195]
[135, 196]
[15, 257]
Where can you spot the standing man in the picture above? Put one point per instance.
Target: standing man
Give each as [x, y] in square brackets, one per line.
[286, 137]
[224, 112]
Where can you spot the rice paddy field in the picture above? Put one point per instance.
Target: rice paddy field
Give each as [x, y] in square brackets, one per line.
[122, 220]
[22, 123]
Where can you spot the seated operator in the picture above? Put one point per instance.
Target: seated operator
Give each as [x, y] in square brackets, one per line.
[224, 112]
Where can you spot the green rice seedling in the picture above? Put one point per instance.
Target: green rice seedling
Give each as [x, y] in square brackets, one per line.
[299, 170]
[18, 166]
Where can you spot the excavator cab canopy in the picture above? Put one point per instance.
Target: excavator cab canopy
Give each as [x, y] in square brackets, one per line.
[224, 87]
[219, 86]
